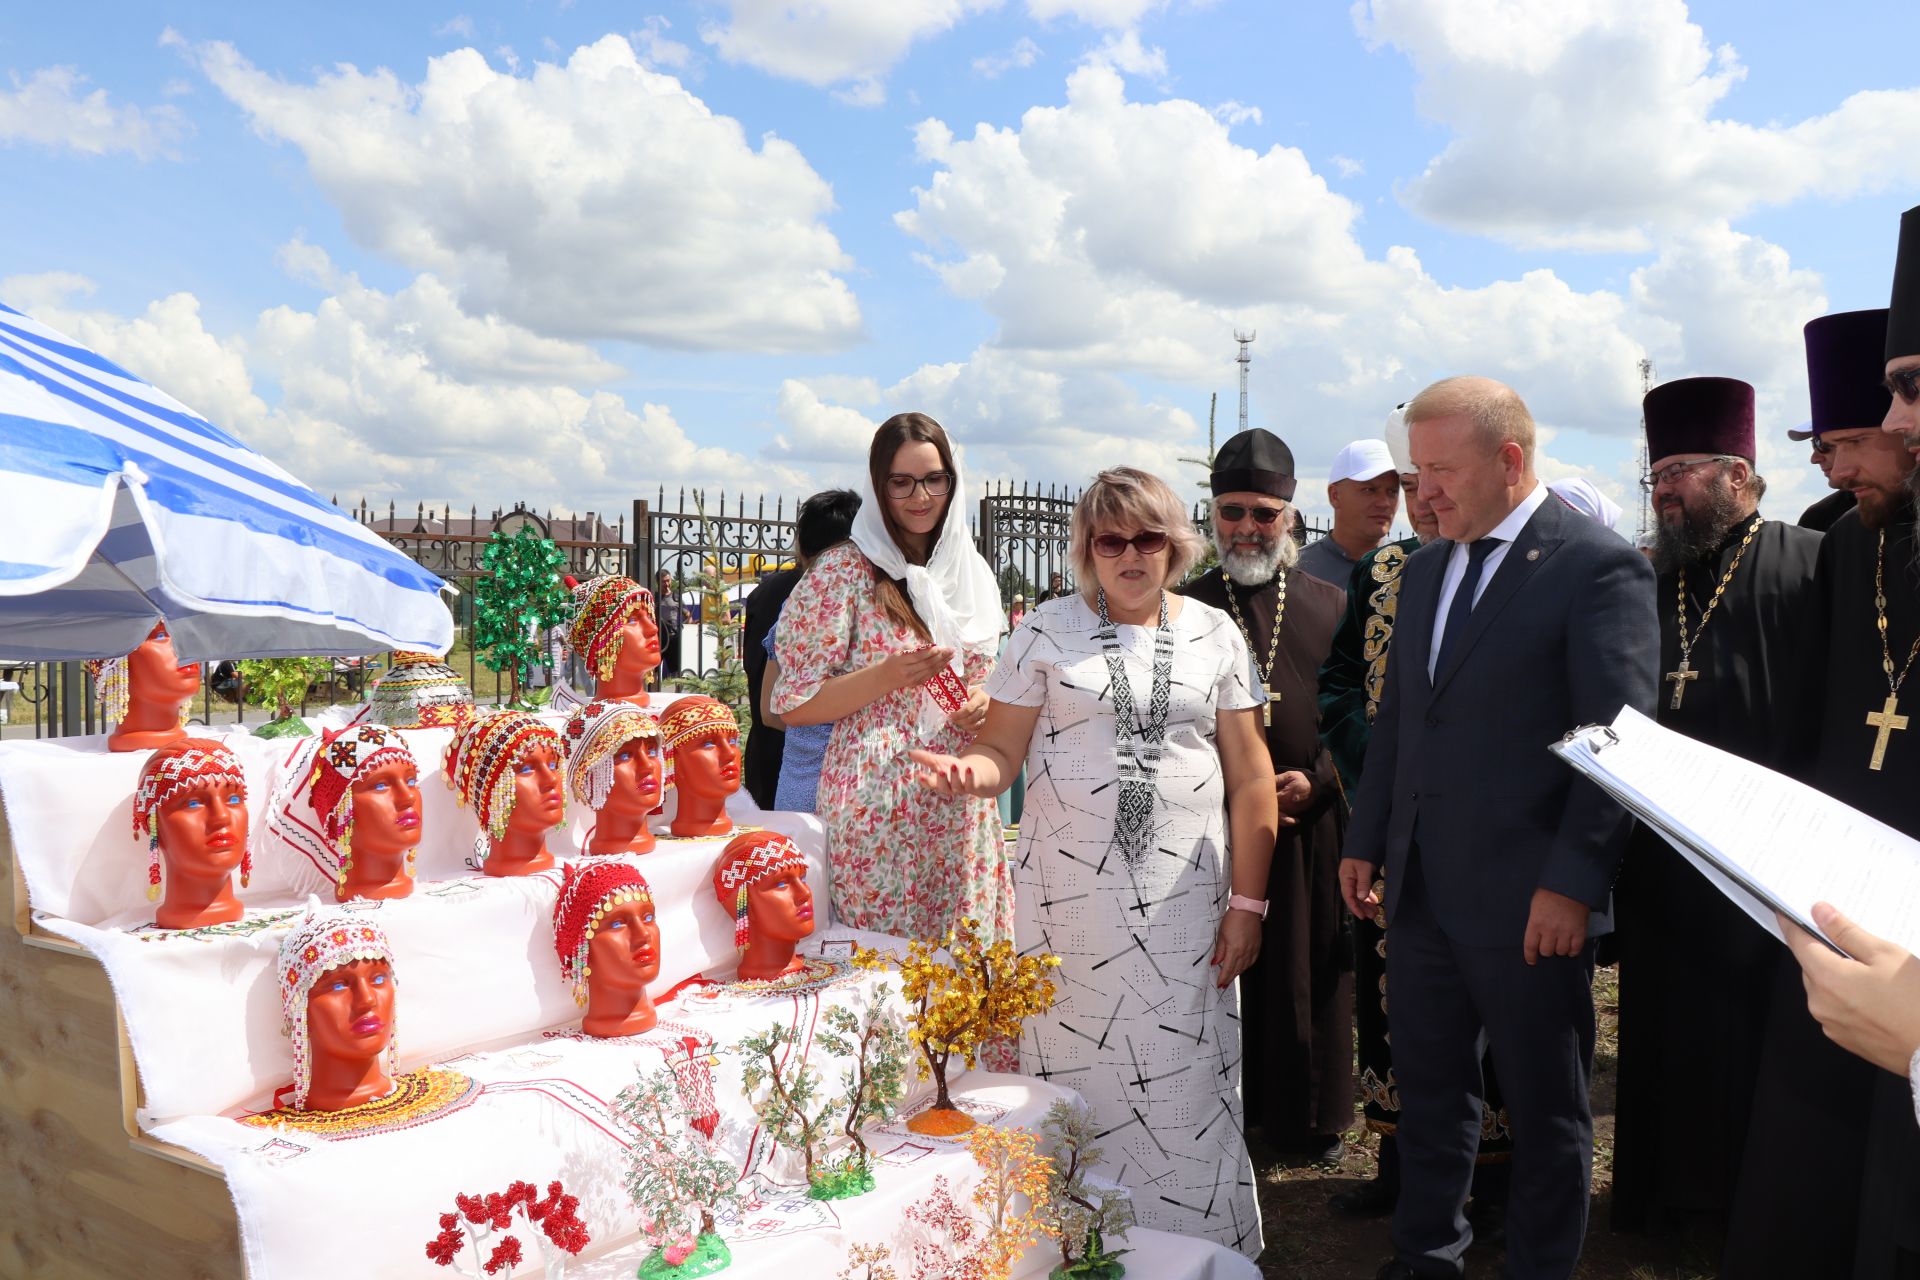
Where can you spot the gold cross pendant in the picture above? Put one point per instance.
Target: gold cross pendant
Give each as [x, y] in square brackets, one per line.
[1887, 723]
[1680, 679]
[1266, 712]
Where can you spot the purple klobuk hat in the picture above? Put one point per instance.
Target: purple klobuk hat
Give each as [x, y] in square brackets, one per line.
[1699, 415]
[1903, 320]
[1844, 383]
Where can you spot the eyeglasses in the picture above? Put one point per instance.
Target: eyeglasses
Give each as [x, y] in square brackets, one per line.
[1671, 473]
[938, 484]
[1904, 383]
[1233, 512]
[1822, 447]
[1112, 545]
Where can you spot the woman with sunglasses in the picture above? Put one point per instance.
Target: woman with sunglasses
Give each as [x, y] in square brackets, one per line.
[1143, 852]
[888, 638]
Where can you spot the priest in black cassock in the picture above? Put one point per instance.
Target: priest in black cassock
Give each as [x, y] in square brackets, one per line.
[1297, 1000]
[1735, 593]
[1351, 682]
[1804, 1189]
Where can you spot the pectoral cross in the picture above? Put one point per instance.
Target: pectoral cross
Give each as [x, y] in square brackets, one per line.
[1679, 679]
[1886, 722]
[1266, 712]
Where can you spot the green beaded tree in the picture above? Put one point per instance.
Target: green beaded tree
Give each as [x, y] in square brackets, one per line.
[790, 1108]
[518, 596]
[1077, 1216]
[279, 684]
[875, 1044]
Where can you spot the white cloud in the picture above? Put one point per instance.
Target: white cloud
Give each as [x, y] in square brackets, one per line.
[1591, 123]
[1347, 166]
[1116, 14]
[398, 396]
[656, 49]
[851, 44]
[1122, 51]
[1022, 55]
[51, 109]
[595, 198]
[1088, 284]
[1231, 113]
[461, 26]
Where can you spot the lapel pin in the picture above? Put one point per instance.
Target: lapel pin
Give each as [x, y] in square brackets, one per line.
[1534, 554]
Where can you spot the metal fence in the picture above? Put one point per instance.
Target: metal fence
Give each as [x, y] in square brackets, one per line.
[715, 548]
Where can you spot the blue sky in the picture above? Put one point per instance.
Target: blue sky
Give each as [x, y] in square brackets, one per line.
[596, 273]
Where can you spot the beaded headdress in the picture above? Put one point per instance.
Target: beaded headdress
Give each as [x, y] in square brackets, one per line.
[419, 691]
[321, 940]
[480, 764]
[111, 688]
[589, 891]
[749, 858]
[594, 734]
[691, 719]
[322, 773]
[601, 607]
[172, 769]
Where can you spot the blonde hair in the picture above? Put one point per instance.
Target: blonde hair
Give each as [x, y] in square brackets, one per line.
[1126, 497]
[1496, 410]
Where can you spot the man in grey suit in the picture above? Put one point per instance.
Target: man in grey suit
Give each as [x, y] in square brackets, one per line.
[1522, 621]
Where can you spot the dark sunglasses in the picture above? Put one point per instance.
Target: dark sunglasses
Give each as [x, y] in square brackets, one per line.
[1112, 545]
[1904, 383]
[1233, 512]
[938, 484]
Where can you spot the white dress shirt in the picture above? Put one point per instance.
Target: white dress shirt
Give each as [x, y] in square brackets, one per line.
[1506, 531]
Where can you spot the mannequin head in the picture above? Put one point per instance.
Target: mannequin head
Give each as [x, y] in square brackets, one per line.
[614, 767]
[363, 797]
[702, 742]
[337, 1007]
[146, 694]
[762, 879]
[191, 808]
[506, 767]
[614, 631]
[608, 944]
[419, 691]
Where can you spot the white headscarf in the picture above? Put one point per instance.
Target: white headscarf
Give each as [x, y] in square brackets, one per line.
[954, 592]
[1580, 494]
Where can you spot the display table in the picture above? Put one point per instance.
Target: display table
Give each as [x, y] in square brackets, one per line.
[103, 1099]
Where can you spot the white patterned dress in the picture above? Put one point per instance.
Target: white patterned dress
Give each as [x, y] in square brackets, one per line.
[1139, 1028]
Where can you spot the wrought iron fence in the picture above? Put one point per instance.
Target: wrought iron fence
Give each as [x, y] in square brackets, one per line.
[714, 548]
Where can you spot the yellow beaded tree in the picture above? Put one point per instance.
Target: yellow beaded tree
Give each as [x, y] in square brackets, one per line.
[975, 994]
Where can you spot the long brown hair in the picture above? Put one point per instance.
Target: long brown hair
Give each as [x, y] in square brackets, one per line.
[904, 429]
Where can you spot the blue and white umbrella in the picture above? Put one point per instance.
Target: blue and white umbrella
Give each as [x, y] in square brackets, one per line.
[120, 506]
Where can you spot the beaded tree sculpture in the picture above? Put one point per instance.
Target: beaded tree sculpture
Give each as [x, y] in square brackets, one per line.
[983, 1238]
[784, 1089]
[517, 597]
[977, 993]
[1079, 1217]
[676, 1180]
[874, 1081]
[479, 1219]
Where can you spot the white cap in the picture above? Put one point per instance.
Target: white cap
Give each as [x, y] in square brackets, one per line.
[1580, 494]
[1362, 460]
[1400, 442]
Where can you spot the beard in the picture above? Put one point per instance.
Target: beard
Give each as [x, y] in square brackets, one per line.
[1702, 528]
[1254, 558]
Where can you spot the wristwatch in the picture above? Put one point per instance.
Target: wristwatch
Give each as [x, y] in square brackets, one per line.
[1237, 902]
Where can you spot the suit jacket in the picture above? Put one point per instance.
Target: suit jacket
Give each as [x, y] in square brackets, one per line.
[765, 746]
[1564, 634]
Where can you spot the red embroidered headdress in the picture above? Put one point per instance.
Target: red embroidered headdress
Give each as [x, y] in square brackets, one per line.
[589, 891]
[172, 769]
[750, 857]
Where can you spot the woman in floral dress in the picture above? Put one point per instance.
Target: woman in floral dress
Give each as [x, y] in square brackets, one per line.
[890, 637]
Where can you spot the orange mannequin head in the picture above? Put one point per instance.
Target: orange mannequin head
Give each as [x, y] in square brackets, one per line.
[505, 766]
[614, 767]
[761, 878]
[349, 801]
[702, 741]
[191, 808]
[146, 694]
[615, 632]
[337, 1002]
[609, 945]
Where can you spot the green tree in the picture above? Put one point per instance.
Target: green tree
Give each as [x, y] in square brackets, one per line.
[281, 684]
[788, 1106]
[518, 596]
